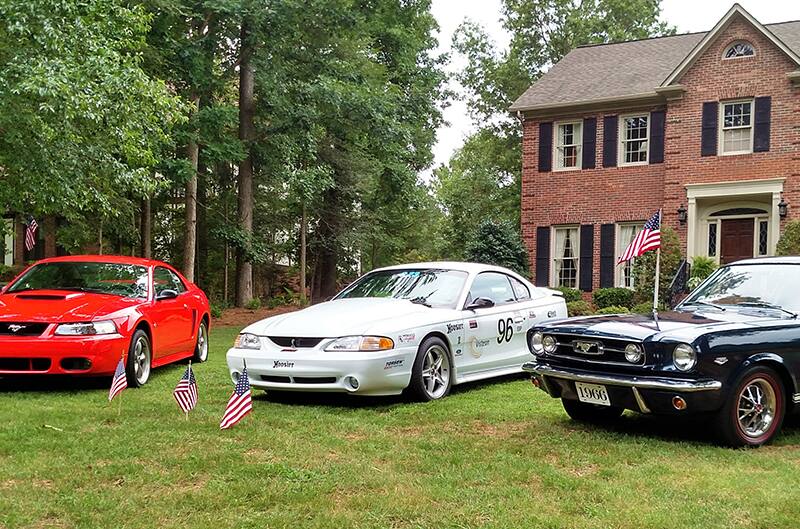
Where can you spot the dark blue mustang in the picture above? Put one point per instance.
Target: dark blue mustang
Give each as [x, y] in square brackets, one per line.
[730, 350]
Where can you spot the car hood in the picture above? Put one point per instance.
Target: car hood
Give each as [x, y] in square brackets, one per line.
[682, 326]
[347, 317]
[56, 306]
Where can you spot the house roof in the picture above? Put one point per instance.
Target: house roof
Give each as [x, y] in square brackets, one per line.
[634, 69]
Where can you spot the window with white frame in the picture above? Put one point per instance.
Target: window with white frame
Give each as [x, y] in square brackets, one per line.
[565, 257]
[568, 145]
[625, 235]
[736, 127]
[739, 49]
[635, 138]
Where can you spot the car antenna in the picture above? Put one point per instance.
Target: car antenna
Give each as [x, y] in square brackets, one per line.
[655, 318]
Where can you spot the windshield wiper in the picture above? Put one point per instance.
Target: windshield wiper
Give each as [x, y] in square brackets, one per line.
[706, 303]
[422, 300]
[765, 305]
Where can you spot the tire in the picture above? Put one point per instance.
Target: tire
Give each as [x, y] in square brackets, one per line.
[140, 358]
[591, 413]
[432, 373]
[201, 347]
[754, 411]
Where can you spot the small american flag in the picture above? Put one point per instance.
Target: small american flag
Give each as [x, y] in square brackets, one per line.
[186, 391]
[30, 234]
[240, 403]
[119, 382]
[647, 239]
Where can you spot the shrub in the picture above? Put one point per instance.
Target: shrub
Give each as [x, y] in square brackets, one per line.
[579, 308]
[613, 297]
[570, 294]
[645, 307]
[216, 310]
[693, 283]
[613, 309]
[789, 243]
[702, 267]
[644, 268]
[253, 304]
[498, 243]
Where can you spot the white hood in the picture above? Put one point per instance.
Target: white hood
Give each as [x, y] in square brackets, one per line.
[348, 317]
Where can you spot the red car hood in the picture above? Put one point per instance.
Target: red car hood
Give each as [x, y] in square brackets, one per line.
[58, 306]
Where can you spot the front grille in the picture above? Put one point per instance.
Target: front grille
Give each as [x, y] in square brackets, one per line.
[22, 329]
[294, 343]
[25, 364]
[592, 349]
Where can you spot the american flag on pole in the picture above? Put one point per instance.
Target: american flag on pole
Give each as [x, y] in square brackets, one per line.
[186, 391]
[240, 403]
[647, 239]
[119, 382]
[30, 234]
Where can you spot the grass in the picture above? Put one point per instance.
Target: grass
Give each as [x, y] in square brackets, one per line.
[498, 454]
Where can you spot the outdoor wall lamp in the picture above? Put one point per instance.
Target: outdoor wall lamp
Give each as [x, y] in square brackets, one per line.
[682, 214]
[783, 208]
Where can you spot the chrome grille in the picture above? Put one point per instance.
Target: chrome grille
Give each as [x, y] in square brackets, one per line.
[593, 349]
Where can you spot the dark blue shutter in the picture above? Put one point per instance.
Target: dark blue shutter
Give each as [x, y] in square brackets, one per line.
[545, 146]
[657, 121]
[762, 124]
[607, 242]
[542, 256]
[589, 143]
[587, 258]
[708, 138]
[610, 141]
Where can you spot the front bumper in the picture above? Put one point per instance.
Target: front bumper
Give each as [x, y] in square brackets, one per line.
[61, 355]
[646, 394]
[315, 370]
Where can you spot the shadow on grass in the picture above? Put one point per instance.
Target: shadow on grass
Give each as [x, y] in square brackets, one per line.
[69, 383]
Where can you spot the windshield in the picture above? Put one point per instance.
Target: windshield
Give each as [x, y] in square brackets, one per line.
[436, 288]
[746, 286]
[104, 278]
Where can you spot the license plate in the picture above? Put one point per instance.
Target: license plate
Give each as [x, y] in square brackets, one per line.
[592, 393]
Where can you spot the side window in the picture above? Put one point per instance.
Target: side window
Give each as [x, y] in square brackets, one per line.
[165, 279]
[494, 286]
[520, 290]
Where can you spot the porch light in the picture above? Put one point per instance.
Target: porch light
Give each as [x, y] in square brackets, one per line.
[682, 214]
[783, 208]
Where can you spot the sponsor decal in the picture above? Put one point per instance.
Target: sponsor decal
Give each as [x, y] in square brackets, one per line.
[551, 314]
[281, 363]
[459, 352]
[404, 338]
[454, 327]
[288, 350]
[477, 344]
[532, 315]
[394, 363]
[473, 324]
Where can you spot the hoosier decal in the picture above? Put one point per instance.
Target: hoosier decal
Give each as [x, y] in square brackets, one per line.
[282, 363]
[454, 327]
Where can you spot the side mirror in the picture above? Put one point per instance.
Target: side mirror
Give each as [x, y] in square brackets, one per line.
[480, 303]
[3, 287]
[167, 294]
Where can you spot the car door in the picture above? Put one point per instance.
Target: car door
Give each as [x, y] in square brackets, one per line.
[489, 331]
[172, 316]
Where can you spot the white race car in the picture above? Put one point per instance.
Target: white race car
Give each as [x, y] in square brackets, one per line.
[421, 327]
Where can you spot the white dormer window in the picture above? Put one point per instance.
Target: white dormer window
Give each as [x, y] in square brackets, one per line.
[739, 49]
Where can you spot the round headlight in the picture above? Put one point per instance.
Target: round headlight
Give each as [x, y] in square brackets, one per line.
[536, 343]
[633, 353]
[684, 357]
[549, 344]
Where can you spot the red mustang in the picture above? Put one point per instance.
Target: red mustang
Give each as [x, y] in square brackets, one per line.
[79, 315]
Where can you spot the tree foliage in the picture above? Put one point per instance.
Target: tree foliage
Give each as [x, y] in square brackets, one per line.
[644, 268]
[789, 243]
[498, 243]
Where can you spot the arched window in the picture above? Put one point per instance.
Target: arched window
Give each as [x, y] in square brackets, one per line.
[739, 49]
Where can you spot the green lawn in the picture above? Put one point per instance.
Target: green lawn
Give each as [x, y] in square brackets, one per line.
[498, 454]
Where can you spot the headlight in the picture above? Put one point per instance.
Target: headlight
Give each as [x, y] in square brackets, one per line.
[86, 329]
[684, 357]
[536, 343]
[549, 344]
[633, 353]
[247, 341]
[361, 343]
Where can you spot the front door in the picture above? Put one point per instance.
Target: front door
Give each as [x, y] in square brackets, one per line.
[737, 240]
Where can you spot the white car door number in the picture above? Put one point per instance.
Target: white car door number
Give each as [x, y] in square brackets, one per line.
[505, 330]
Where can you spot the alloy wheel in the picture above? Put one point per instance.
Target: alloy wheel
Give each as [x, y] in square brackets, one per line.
[436, 372]
[756, 407]
[141, 360]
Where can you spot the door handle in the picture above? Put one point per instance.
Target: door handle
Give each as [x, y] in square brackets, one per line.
[519, 319]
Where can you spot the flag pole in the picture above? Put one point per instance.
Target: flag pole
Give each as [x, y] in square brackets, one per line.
[190, 380]
[658, 275]
[119, 401]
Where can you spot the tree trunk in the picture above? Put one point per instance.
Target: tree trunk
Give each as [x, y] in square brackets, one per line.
[19, 241]
[190, 222]
[49, 236]
[147, 229]
[303, 230]
[244, 268]
[328, 251]
[202, 229]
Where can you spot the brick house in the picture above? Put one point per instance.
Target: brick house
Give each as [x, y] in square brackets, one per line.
[705, 126]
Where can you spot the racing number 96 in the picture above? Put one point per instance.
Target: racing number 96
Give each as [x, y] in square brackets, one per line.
[505, 330]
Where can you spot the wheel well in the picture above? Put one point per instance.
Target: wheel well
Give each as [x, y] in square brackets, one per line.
[444, 338]
[786, 378]
[143, 325]
[206, 319]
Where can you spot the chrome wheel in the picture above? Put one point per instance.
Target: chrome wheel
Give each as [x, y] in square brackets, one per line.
[436, 372]
[201, 353]
[141, 360]
[756, 407]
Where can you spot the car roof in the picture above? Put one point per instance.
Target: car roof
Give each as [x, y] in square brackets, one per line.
[471, 268]
[120, 259]
[788, 259]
